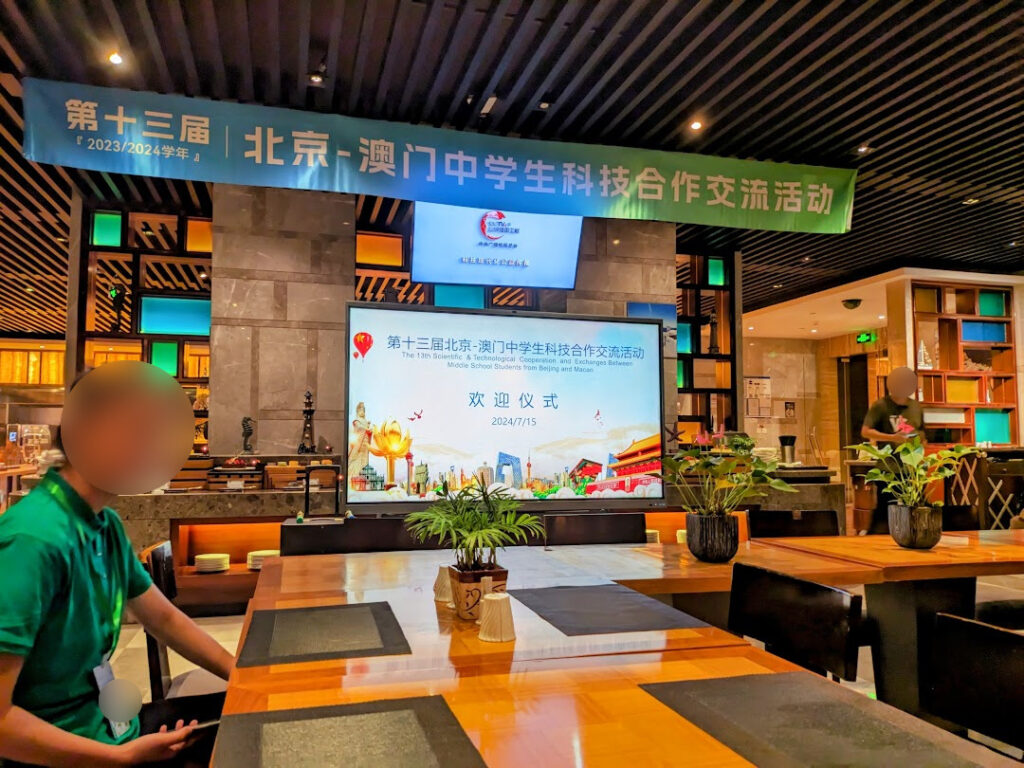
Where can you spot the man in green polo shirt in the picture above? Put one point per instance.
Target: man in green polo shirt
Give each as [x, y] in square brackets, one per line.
[68, 574]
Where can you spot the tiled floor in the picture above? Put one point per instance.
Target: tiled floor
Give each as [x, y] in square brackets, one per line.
[129, 660]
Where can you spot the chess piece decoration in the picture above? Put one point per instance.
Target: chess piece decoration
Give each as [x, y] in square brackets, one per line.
[247, 430]
[307, 444]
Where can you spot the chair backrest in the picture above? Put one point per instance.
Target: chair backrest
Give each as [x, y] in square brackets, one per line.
[596, 528]
[976, 677]
[775, 523]
[160, 564]
[810, 624]
[959, 517]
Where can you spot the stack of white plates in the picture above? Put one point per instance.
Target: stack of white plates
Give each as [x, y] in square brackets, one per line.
[255, 559]
[212, 563]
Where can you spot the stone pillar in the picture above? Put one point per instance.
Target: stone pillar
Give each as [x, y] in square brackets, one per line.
[283, 266]
[621, 261]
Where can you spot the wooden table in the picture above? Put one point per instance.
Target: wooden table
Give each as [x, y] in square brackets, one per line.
[914, 586]
[543, 699]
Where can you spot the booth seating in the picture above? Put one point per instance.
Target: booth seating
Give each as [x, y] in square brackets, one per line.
[976, 678]
[198, 682]
[777, 523]
[813, 625]
[332, 536]
[595, 528]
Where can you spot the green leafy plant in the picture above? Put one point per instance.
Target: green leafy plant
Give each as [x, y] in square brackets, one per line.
[718, 483]
[475, 522]
[905, 470]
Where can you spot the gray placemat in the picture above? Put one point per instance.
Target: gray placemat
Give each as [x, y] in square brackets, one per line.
[602, 609]
[397, 733]
[799, 719]
[326, 632]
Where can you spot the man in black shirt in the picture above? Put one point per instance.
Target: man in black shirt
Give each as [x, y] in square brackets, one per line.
[883, 420]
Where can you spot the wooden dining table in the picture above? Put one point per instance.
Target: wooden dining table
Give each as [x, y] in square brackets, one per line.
[914, 585]
[545, 698]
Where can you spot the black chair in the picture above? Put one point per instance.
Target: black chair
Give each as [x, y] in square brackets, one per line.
[815, 626]
[976, 678]
[198, 682]
[596, 528]
[777, 523]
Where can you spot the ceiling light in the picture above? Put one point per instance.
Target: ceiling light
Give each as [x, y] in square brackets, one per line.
[544, 105]
[863, 149]
[41, 346]
[616, 241]
[316, 78]
[971, 201]
[29, 289]
[881, 317]
[776, 285]
[750, 327]
[488, 105]
[696, 125]
[814, 330]
[806, 259]
[63, 239]
[1013, 243]
[110, 349]
[115, 58]
[202, 275]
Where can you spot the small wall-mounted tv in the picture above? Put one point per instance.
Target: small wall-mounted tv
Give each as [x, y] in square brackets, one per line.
[565, 412]
[482, 246]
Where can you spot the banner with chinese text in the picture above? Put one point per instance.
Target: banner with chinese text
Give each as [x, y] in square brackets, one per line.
[149, 134]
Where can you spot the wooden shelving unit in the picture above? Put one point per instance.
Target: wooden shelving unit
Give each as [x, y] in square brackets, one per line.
[706, 361]
[966, 362]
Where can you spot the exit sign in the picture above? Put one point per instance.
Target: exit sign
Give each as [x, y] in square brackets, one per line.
[866, 337]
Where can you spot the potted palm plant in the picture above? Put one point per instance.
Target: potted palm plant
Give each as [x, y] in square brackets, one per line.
[905, 471]
[713, 486]
[475, 521]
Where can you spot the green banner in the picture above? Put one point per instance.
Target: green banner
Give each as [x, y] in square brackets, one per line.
[149, 134]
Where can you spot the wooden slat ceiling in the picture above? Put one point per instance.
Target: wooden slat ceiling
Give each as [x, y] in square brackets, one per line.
[934, 87]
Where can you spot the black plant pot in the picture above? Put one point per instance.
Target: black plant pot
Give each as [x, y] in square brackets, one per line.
[712, 538]
[915, 527]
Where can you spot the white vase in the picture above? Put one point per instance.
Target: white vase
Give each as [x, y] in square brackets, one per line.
[443, 586]
[496, 618]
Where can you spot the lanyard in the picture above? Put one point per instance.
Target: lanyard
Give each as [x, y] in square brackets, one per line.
[105, 582]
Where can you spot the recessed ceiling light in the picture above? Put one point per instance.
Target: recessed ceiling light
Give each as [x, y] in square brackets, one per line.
[814, 330]
[696, 125]
[62, 239]
[971, 201]
[202, 275]
[115, 58]
[881, 317]
[544, 105]
[1013, 243]
[488, 105]
[41, 346]
[806, 259]
[864, 149]
[616, 241]
[316, 78]
[110, 349]
[776, 285]
[750, 327]
[29, 289]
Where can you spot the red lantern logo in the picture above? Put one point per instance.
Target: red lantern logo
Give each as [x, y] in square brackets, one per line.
[363, 341]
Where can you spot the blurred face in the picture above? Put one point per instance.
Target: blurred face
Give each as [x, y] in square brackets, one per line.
[902, 384]
[127, 427]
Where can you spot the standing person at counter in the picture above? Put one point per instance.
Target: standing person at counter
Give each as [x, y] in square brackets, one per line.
[885, 417]
[68, 573]
[893, 419]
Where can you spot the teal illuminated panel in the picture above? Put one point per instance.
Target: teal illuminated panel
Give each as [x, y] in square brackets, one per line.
[684, 344]
[461, 296]
[716, 272]
[164, 355]
[991, 426]
[106, 228]
[175, 316]
[680, 375]
[992, 304]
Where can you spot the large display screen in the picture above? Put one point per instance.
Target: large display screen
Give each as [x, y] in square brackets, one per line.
[480, 246]
[556, 409]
